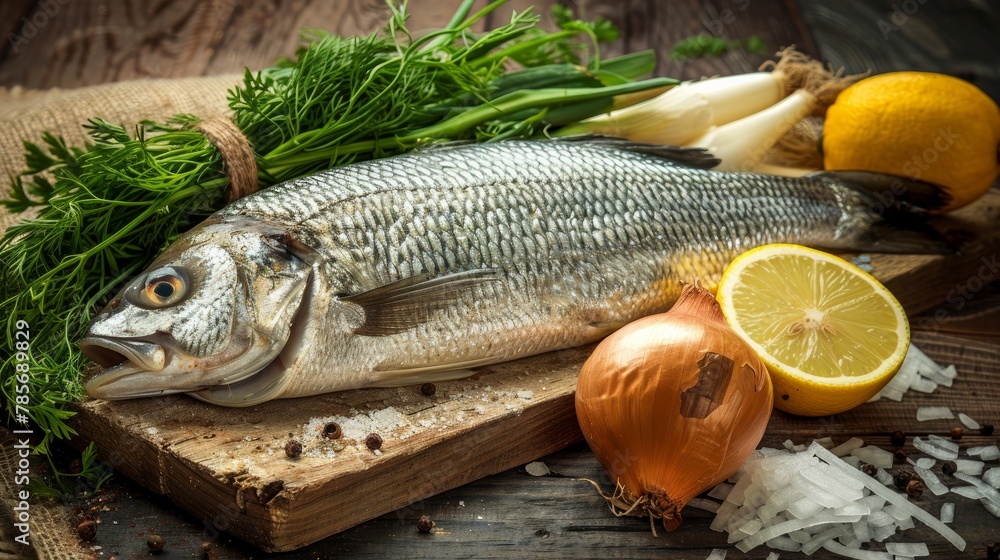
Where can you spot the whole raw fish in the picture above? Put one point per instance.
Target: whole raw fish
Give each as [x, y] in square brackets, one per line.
[418, 267]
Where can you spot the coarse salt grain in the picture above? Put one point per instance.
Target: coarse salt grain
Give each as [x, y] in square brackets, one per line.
[884, 477]
[934, 451]
[943, 443]
[947, 512]
[537, 468]
[968, 422]
[934, 413]
[717, 554]
[970, 492]
[991, 507]
[990, 453]
[992, 477]
[990, 493]
[969, 467]
[874, 455]
[847, 447]
[702, 503]
[931, 481]
[907, 549]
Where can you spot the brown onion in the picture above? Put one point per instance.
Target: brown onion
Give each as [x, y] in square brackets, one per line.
[672, 405]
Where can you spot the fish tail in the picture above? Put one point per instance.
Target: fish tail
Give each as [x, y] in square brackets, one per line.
[897, 213]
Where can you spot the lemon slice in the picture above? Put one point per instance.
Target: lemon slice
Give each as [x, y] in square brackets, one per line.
[831, 335]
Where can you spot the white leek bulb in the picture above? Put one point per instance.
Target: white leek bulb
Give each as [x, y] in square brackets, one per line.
[687, 111]
[742, 145]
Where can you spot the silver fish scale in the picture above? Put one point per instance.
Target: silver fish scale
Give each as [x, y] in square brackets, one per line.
[584, 238]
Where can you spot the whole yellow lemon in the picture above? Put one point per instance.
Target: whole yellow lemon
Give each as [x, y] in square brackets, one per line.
[924, 126]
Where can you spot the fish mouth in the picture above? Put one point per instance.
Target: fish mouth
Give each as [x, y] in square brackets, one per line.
[127, 364]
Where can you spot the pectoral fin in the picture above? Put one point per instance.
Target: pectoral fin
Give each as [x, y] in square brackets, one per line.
[404, 304]
[429, 374]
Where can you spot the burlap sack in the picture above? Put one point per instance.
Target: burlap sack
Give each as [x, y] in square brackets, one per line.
[25, 115]
[50, 532]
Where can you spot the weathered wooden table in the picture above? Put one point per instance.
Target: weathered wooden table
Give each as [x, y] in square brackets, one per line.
[513, 514]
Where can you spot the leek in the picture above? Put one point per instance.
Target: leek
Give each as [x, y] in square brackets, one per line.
[740, 119]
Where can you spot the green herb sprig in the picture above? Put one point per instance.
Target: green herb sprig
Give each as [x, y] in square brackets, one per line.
[703, 44]
[116, 203]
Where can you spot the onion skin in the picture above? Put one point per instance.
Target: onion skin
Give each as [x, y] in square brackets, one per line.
[673, 404]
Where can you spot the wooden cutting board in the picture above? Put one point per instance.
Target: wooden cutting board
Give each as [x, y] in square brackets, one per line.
[229, 466]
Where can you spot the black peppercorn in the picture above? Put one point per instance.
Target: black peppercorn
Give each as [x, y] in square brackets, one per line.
[155, 543]
[899, 456]
[869, 469]
[986, 430]
[424, 524]
[208, 551]
[428, 389]
[901, 478]
[87, 531]
[373, 441]
[332, 431]
[898, 439]
[949, 467]
[914, 488]
[293, 449]
[956, 433]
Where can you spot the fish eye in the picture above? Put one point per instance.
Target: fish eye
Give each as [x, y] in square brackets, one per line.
[164, 286]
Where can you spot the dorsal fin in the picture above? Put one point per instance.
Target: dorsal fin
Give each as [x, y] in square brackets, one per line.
[697, 158]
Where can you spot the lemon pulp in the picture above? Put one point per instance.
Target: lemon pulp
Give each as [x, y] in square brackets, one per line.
[831, 335]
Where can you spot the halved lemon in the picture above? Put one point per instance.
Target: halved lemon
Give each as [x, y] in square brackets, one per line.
[831, 335]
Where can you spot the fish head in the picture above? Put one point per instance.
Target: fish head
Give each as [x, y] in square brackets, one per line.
[214, 309]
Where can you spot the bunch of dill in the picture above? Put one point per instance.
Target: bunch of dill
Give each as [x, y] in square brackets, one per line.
[113, 205]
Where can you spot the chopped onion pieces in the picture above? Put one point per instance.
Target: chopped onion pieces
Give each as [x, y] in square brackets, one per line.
[764, 535]
[837, 548]
[891, 496]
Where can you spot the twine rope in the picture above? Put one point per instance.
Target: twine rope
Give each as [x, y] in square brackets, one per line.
[237, 155]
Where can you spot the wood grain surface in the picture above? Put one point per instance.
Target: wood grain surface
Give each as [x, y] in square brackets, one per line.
[206, 459]
[87, 43]
[230, 462]
[515, 515]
